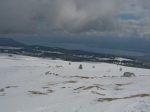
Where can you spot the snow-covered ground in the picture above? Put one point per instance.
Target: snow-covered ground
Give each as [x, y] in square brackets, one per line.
[29, 84]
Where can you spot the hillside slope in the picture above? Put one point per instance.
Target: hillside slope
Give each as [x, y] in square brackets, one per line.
[10, 42]
[29, 84]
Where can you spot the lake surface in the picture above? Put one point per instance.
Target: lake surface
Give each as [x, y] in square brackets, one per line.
[86, 46]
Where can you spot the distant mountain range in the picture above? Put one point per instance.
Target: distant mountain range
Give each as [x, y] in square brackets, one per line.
[8, 45]
[10, 42]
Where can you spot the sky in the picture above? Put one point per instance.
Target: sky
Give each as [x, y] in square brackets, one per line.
[116, 18]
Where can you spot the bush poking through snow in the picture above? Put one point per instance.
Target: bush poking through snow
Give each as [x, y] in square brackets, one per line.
[2, 90]
[80, 66]
[120, 69]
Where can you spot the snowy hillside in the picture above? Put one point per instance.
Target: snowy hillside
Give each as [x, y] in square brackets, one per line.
[29, 84]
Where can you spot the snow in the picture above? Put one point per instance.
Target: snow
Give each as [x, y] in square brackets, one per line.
[117, 58]
[10, 48]
[122, 59]
[30, 84]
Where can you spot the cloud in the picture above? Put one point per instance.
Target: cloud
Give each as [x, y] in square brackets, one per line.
[92, 17]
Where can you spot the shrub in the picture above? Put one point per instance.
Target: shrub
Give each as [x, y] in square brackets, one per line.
[80, 66]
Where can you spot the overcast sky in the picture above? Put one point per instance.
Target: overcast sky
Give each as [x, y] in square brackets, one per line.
[119, 18]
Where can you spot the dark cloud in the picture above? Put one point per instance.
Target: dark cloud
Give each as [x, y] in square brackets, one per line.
[98, 17]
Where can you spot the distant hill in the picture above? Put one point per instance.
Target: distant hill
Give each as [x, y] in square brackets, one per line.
[10, 42]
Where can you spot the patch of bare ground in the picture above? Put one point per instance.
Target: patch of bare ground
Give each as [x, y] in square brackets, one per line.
[46, 90]
[2, 90]
[70, 82]
[37, 93]
[50, 73]
[94, 92]
[118, 88]
[128, 97]
[79, 88]
[59, 66]
[89, 87]
[8, 87]
[124, 84]
[63, 87]
[51, 84]
[41, 93]
[45, 87]
[82, 77]
[94, 86]
[50, 91]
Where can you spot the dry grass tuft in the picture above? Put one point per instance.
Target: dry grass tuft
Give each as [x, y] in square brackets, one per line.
[128, 97]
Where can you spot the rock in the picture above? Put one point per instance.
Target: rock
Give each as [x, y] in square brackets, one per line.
[128, 74]
[2, 90]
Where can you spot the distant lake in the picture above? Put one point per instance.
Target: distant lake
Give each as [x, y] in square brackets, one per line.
[75, 46]
[86, 46]
[94, 49]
